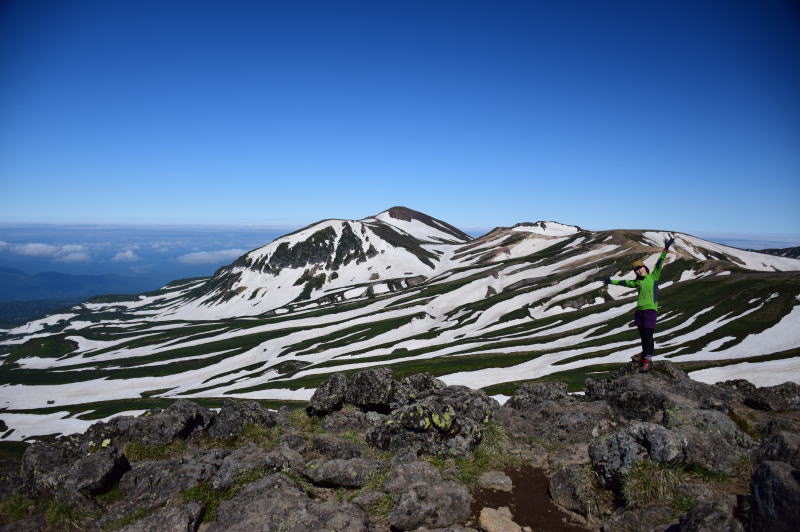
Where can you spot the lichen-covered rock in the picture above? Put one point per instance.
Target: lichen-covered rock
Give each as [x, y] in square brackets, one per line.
[67, 467]
[181, 518]
[155, 427]
[236, 413]
[531, 394]
[254, 458]
[372, 389]
[784, 396]
[450, 421]
[775, 498]
[353, 473]
[713, 440]
[277, 503]
[431, 505]
[329, 396]
[421, 385]
[95, 473]
[333, 447]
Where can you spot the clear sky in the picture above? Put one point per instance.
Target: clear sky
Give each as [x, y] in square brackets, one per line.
[670, 115]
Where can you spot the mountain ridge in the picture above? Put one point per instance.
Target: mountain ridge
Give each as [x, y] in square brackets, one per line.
[510, 306]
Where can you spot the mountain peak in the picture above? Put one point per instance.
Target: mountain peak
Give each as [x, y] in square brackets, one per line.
[409, 221]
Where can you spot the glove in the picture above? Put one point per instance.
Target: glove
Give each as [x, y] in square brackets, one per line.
[607, 280]
[669, 242]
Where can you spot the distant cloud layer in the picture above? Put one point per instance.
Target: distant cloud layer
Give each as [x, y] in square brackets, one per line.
[69, 253]
[125, 256]
[35, 249]
[211, 257]
[75, 257]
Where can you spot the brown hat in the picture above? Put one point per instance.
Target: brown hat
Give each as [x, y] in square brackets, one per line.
[638, 264]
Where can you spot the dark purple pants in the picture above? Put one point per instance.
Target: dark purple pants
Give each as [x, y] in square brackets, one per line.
[645, 321]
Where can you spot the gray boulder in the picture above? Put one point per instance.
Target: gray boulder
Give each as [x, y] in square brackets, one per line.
[295, 442]
[276, 503]
[372, 389]
[155, 427]
[709, 517]
[421, 385]
[613, 456]
[775, 498]
[236, 413]
[329, 396]
[254, 458]
[714, 441]
[563, 421]
[784, 396]
[405, 476]
[643, 397]
[150, 485]
[71, 467]
[183, 518]
[353, 473]
[333, 447]
[431, 505]
[783, 446]
[639, 519]
[531, 394]
[96, 473]
[346, 420]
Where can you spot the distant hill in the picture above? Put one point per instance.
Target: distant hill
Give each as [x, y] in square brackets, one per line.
[793, 253]
[16, 285]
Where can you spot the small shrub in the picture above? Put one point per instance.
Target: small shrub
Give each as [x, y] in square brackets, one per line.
[305, 423]
[591, 494]
[381, 509]
[647, 482]
[15, 508]
[706, 475]
[260, 435]
[137, 451]
[113, 495]
[744, 426]
[66, 516]
[208, 497]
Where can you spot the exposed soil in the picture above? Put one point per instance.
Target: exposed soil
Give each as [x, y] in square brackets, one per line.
[529, 502]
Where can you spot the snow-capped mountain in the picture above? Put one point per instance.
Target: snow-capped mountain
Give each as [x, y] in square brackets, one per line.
[407, 291]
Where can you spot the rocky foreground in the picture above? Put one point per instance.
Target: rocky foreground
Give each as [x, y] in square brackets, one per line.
[636, 452]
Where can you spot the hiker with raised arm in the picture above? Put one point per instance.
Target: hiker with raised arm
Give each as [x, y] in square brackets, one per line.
[646, 283]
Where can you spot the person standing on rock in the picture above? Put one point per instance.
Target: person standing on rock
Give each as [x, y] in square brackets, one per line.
[647, 303]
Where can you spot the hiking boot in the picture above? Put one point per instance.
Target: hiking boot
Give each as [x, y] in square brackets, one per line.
[637, 358]
[645, 366]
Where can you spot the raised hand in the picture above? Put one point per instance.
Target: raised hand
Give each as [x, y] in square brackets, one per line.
[607, 280]
[669, 241]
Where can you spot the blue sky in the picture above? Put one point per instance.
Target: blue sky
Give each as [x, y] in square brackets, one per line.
[669, 115]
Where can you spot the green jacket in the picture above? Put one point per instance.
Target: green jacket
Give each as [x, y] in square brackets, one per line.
[647, 286]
